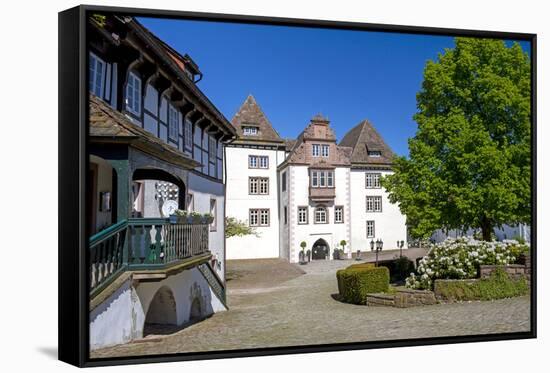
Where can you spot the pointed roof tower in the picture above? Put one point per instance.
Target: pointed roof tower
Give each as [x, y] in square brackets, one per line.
[369, 148]
[252, 124]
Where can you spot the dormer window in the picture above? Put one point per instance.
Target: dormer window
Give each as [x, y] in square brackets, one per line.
[250, 130]
[324, 150]
[315, 150]
[374, 153]
[133, 94]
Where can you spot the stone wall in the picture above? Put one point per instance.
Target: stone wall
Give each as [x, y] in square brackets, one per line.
[403, 298]
[515, 271]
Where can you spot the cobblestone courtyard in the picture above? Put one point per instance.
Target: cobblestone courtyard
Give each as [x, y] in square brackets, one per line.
[283, 306]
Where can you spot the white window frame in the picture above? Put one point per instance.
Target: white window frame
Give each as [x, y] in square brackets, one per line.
[263, 161]
[253, 217]
[252, 161]
[315, 150]
[374, 203]
[303, 212]
[264, 214]
[338, 214]
[94, 61]
[314, 180]
[253, 185]
[374, 153]
[173, 123]
[250, 130]
[263, 186]
[134, 84]
[322, 178]
[372, 180]
[371, 227]
[321, 212]
[325, 150]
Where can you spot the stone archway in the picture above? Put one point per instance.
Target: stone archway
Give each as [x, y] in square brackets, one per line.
[320, 250]
[162, 311]
[152, 188]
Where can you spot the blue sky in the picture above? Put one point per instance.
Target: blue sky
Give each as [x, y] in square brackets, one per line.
[295, 73]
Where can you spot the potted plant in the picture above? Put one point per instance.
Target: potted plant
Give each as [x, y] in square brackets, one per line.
[343, 243]
[195, 217]
[179, 216]
[302, 255]
[208, 218]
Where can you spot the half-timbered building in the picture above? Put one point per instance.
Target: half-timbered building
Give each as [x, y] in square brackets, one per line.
[156, 145]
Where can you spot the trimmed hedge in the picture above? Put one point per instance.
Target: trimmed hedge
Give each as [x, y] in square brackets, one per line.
[498, 285]
[355, 283]
[362, 265]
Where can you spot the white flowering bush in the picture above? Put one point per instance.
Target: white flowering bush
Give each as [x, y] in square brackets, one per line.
[460, 258]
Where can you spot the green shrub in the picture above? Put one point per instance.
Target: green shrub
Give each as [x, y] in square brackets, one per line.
[498, 285]
[355, 283]
[361, 265]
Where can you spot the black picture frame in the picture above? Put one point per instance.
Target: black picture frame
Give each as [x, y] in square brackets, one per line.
[73, 171]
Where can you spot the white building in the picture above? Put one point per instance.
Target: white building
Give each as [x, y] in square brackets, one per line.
[310, 190]
[251, 176]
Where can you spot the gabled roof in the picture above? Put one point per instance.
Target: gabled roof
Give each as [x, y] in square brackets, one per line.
[364, 138]
[110, 126]
[250, 114]
[317, 130]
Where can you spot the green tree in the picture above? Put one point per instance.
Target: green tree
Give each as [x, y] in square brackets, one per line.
[234, 227]
[469, 162]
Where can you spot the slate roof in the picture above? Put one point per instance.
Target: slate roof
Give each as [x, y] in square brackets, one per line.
[364, 138]
[109, 125]
[251, 114]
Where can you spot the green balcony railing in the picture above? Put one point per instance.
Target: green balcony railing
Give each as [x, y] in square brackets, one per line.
[143, 244]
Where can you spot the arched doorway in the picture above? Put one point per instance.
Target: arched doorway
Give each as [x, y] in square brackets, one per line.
[156, 193]
[320, 250]
[161, 312]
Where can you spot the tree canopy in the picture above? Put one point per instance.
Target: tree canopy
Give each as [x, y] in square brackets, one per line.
[235, 227]
[469, 164]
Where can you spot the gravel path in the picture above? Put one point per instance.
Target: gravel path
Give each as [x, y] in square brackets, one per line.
[295, 309]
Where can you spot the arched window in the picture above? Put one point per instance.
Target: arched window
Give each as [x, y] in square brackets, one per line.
[321, 216]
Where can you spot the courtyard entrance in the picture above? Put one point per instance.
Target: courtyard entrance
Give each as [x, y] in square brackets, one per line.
[320, 250]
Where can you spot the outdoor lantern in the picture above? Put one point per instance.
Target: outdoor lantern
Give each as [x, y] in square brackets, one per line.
[371, 245]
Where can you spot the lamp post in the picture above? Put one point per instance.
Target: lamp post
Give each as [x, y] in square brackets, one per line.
[400, 245]
[379, 244]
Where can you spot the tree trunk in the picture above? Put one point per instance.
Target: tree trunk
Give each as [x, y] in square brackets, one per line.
[486, 229]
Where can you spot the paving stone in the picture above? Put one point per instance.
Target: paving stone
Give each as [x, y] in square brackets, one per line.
[302, 310]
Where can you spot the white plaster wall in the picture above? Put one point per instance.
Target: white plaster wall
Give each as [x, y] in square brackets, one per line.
[239, 202]
[119, 319]
[185, 286]
[292, 217]
[390, 224]
[104, 184]
[332, 232]
[203, 189]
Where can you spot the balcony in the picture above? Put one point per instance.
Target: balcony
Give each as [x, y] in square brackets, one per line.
[322, 194]
[147, 247]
